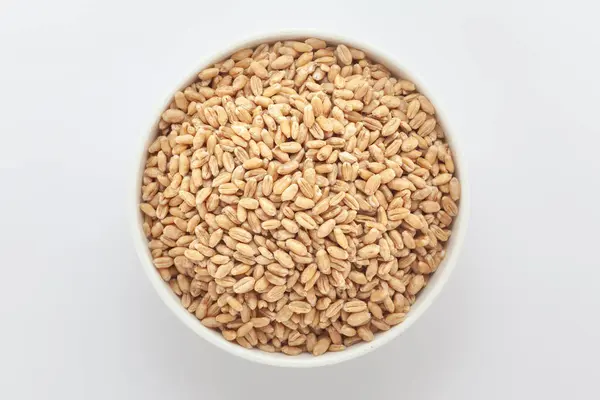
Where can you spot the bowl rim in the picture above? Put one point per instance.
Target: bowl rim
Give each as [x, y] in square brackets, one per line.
[426, 298]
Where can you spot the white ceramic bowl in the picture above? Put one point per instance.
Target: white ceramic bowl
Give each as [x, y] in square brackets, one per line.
[426, 296]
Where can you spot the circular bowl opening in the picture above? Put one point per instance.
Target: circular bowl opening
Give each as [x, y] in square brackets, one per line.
[425, 297]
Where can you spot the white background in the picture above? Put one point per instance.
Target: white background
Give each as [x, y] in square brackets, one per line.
[519, 319]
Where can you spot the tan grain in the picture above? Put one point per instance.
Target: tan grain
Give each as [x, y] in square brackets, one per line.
[359, 318]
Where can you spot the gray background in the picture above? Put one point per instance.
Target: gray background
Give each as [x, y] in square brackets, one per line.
[518, 319]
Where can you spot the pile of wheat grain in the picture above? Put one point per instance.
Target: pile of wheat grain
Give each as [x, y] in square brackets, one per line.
[298, 196]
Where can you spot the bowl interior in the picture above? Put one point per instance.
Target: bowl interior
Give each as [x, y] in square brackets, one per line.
[426, 296]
